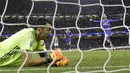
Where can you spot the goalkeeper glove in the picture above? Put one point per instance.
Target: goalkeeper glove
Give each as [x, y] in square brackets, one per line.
[62, 62]
[56, 53]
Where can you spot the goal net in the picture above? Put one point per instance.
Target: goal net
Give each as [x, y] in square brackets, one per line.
[93, 34]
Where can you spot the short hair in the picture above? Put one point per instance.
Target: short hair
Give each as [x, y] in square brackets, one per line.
[42, 21]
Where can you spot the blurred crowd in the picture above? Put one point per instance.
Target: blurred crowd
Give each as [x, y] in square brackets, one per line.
[64, 22]
[90, 38]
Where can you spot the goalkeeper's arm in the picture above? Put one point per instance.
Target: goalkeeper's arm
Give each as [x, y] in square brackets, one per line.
[48, 57]
[45, 58]
[29, 61]
[60, 60]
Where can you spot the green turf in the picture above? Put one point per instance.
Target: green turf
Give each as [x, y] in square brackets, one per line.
[92, 61]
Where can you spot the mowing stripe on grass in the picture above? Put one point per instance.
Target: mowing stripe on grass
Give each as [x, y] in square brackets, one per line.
[117, 70]
[65, 68]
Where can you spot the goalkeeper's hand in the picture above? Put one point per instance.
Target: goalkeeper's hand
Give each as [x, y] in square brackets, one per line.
[62, 62]
[57, 53]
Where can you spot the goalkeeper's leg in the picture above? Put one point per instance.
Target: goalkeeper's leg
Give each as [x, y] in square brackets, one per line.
[113, 48]
[111, 45]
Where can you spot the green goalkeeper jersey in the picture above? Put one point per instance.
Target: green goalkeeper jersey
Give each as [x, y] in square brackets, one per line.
[24, 40]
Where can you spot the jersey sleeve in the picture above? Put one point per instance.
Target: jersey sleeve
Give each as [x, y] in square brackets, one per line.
[42, 45]
[28, 43]
[96, 21]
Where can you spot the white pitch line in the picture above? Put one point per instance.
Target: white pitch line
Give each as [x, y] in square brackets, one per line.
[65, 68]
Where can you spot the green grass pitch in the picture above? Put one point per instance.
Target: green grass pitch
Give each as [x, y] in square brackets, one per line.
[92, 61]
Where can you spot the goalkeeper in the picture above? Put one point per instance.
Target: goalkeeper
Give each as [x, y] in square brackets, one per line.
[29, 39]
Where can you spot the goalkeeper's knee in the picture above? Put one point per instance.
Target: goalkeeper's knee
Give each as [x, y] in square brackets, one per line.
[63, 62]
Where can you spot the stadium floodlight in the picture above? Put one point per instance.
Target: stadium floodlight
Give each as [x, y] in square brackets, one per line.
[43, 0]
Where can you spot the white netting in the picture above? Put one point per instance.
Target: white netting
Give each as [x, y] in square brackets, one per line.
[76, 27]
